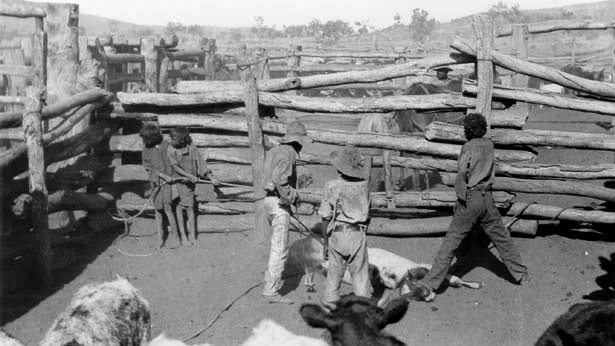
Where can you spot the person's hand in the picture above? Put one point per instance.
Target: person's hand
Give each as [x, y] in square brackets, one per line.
[193, 179]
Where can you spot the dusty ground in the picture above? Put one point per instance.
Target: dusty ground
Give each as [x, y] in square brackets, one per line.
[187, 287]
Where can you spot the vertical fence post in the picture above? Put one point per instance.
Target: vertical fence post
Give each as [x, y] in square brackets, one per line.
[150, 53]
[612, 56]
[257, 155]
[33, 136]
[293, 60]
[211, 59]
[484, 31]
[520, 41]
[573, 54]
[203, 57]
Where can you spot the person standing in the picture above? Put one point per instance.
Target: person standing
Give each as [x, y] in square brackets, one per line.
[345, 214]
[475, 206]
[279, 194]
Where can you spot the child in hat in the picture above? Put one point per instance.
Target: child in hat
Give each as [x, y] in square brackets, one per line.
[345, 214]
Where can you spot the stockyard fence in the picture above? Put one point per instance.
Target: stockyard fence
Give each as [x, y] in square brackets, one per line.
[232, 123]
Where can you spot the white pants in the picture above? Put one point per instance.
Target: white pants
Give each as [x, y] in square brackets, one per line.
[279, 220]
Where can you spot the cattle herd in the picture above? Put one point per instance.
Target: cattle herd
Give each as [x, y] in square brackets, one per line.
[115, 313]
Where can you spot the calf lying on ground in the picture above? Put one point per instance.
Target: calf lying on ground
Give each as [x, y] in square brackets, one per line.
[391, 271]
[357, 321]
[267, 333]
[110, 313]
[583, 324]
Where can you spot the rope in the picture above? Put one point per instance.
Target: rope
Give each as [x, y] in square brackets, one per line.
[230, 304]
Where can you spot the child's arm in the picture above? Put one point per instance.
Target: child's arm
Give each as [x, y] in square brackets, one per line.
[202, 169]
[153, 174]
[174, 162]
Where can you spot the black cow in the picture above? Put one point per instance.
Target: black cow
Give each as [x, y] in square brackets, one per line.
[357, 321]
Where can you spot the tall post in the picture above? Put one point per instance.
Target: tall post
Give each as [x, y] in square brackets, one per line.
[613, 57]
[33, 136]
[520, 41]
[204, 52]
[150, 53]
[374, 42]
[257, 155]
[484, 31]
[574, 49]
[293, 61]
[211, 58]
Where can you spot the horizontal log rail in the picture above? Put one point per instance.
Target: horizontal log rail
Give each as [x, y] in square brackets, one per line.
[355, 55]
[443, 132]
[13, 119]
[385, 141]
[550, 212]
[557, 187]
[122, 58]
[434, 102]
[553, 75]
[127, 78]
[413, 68]
[16, 100]
[551, 26]
[324, 68]
[21, 10]
[545, 98]
[16, 70]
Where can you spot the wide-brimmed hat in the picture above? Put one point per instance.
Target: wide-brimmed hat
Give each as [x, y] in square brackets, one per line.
[349, 162]
[296, 132]
[443, 68]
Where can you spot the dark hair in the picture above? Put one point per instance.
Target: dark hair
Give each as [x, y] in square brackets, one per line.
[181, 135]
[150, 132]
[474, 125]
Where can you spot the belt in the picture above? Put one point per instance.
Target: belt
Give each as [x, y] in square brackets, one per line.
[346, 227]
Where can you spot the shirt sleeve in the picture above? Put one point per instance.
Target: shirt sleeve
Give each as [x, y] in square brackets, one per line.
[172, 157]
[463, 166]
[282, 170]
[326, 208]
[202, 168]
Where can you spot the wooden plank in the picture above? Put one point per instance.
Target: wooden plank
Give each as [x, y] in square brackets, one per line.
[483, 29]
[16, 100]
[442, 132]
[543, 72]
[122, 58]
[551, 26]
[545, 98]
[324, 68]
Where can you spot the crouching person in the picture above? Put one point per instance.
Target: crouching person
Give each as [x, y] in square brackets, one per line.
[475, 206]
[345, 214]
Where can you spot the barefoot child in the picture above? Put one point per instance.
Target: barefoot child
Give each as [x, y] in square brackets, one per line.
[156, 163]
[187, 162]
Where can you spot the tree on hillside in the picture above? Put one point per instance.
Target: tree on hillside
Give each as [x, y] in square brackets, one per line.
[194, 30]
[174, 28]
[114, 26]
[236, 35]
[362, 27]
[143, 31]
[335, 29]
[503, 14]
[397, 19]
[420, 26]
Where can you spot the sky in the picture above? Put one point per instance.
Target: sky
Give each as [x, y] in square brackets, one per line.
[233, 13]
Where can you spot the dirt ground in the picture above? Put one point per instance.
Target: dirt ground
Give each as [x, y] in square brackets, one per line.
[187, 287]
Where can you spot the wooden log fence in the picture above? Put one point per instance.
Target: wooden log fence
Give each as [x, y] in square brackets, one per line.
[385, 141]
[546, 27]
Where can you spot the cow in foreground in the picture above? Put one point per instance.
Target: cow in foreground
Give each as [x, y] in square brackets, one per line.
[109, 313]
[583, 324]
[357, 321]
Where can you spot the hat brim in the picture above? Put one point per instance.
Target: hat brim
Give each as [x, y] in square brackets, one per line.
[360, 173]
[303, 140]
[447, 69]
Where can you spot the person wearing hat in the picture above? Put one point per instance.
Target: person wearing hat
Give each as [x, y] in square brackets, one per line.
[442, 79]
[279, 194]
[345, 214]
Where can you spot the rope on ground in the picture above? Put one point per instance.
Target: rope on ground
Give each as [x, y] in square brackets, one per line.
[515, 217]
[232, 302]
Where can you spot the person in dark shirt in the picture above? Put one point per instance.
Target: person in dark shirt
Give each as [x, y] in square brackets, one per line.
[474, 206]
